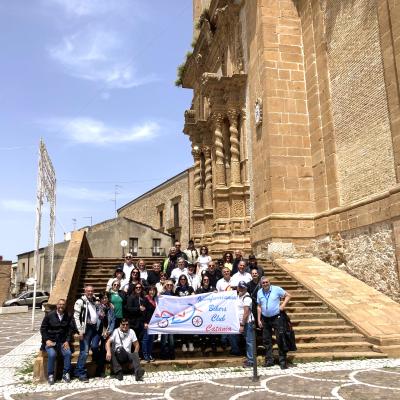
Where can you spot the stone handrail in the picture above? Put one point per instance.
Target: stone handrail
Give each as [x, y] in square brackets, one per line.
[66, 284]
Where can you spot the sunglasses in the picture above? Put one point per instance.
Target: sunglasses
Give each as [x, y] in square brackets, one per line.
[138, 287]
[124, 324]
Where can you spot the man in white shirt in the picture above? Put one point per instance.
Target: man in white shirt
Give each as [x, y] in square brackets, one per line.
[142, 268]
[179, 270]
[127, 269]
[224, 284]
[125, 337]
[241, 275]
[246, 320]
[85, 315]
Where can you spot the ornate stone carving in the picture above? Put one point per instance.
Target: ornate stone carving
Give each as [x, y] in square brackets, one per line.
[197, 177]
[235, 145]
[237, 208]
[208, 178]
[219, 149]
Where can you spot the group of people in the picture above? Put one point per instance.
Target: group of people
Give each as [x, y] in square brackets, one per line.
[120, 316]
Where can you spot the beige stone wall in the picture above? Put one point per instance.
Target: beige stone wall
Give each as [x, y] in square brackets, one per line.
[359, 102]
[367, 253]
[104, 239]
[145, 208]
[5, 280]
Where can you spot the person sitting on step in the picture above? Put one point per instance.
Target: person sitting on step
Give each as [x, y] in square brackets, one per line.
[125, 338]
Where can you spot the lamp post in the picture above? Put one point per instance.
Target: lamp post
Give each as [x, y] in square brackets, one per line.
[123, 244]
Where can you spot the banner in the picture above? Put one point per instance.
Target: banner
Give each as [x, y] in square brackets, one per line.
[201, 314]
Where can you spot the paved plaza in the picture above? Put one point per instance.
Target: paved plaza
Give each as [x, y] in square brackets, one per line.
[343, 380]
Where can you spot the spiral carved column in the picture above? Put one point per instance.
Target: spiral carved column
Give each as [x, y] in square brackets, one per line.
[197, 178]
[208, 178]
[219, 151]
[235, 146]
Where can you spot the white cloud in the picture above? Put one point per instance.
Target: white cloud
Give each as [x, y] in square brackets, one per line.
[92, 131]
[94, 54]
[82, 8]
[18, 205]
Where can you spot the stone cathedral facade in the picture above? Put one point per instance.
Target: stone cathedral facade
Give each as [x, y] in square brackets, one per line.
[295, 130]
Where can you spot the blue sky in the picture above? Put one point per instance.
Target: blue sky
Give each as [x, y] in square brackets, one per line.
[95, 79]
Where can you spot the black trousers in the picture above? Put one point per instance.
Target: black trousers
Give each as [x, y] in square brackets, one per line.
[269, 324]
[133, 360]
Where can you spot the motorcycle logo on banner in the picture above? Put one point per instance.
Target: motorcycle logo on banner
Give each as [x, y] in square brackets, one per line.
[207, 314]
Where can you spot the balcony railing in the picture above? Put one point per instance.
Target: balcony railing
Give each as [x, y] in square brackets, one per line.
[148, 252]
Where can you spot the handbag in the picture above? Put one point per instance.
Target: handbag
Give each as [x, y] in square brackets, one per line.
[120, 353]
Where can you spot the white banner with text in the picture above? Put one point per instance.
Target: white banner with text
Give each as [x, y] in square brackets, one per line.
[201, 314]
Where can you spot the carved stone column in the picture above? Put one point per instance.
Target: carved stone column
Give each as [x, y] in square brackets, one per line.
[208, 178]
[219, 150]
[235, 146]
[197, 194]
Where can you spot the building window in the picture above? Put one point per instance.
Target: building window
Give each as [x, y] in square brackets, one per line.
[176, 215]
[133, 246]
[156, 247]
[161, 216]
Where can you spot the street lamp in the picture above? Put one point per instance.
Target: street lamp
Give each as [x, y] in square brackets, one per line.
[123, 244]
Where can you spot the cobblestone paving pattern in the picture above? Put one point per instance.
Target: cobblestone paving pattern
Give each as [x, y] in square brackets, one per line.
[347, 380]
[15, 328]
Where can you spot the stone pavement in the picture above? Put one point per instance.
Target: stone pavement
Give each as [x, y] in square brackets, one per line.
[342, 380]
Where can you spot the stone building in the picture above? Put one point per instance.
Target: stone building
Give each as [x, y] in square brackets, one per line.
[104, 240]
[165, 207]
[295, 130]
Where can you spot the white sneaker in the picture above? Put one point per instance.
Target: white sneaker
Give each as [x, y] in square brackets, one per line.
[191, 348]
[184, 348]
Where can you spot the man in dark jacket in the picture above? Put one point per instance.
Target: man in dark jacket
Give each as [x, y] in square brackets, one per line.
[56, 330]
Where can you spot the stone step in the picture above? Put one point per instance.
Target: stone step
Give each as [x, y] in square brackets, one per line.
[333, 355]
[305, 303]
[317, 322]
[317, 329]
[311, 315]
[328, 337]
[293, 309]
[335, 346]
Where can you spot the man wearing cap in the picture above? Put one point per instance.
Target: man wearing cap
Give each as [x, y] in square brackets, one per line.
[118, 277]
[246, 321]
[193, 278]
[268, 313]
[252, 264]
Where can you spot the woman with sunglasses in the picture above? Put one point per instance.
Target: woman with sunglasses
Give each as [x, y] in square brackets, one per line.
[160, 285]
[184, 289]
[133, 280]
[117, 299]
[150, 303]
[228, 260]
[135, 310]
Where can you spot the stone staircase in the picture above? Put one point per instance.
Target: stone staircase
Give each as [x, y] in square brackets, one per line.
[320, 333]
[97, 271]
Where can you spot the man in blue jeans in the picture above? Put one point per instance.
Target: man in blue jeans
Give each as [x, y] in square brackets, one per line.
[246, 320]
[85, 315]
[56, 331]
